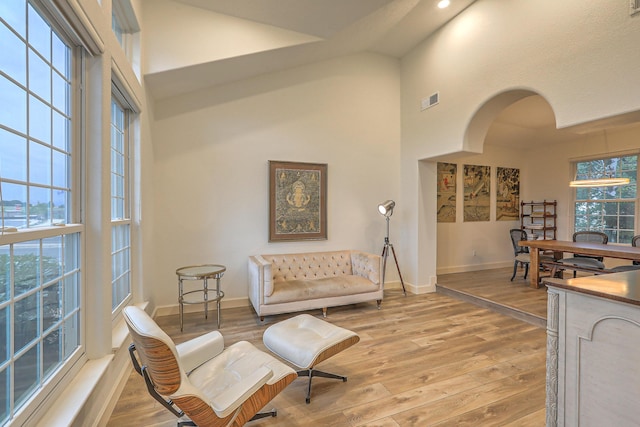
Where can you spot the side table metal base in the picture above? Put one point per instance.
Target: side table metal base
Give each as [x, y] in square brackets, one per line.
[203, 273]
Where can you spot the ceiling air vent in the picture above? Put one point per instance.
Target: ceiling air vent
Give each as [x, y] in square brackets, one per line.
[635, 7]
[433, 99]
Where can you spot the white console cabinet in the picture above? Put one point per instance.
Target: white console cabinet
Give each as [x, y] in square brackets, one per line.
[593, 351]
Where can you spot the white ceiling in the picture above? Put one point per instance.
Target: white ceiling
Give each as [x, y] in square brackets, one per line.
[343, 27]
[318, 18]
[389, 27]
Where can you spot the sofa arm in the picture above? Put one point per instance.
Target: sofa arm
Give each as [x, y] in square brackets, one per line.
[260, 278]
[368, 266]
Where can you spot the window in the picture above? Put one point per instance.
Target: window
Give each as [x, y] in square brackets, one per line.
[124, 25]
[40, 265]
[607, 209]
[117, 28]
[120, 211]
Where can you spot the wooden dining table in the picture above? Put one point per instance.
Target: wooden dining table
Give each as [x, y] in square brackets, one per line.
[559, 247]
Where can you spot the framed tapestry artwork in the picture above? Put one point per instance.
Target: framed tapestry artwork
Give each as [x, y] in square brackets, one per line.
[507, 194]
[477, 190]
[297, 201]
[446, 192]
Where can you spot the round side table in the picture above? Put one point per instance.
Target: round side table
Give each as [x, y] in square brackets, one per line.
[204, 273]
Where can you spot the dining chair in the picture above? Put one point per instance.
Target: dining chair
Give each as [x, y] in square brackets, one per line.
[586, 261]
[521, 253]
[635, 265]
[522, 256]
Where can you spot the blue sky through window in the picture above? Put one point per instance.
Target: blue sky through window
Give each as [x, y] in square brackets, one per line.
[35, 108]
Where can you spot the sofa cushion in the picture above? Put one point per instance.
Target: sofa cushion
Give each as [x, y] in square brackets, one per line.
[297, 290]
[304, 266]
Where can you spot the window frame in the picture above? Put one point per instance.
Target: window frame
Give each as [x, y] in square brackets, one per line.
[73, 224]
[124, 24]
[120, 100]
[575, 201]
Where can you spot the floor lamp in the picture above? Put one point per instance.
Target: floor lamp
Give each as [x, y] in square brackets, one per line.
[386, 210]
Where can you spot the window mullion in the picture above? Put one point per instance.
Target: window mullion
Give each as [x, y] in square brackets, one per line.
[601, 213]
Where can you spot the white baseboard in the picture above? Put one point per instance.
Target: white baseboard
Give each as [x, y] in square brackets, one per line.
[167, 310]
[411, 288]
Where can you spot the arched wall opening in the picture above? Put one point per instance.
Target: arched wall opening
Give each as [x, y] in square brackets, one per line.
[515, 129]
[483, 118]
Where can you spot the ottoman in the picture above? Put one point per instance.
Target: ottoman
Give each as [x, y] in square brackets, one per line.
[305, 341]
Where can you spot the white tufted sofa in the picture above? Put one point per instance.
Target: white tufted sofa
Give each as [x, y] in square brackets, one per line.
[304, 281]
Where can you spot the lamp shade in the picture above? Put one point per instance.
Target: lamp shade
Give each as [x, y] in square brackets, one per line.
[386, 208]
[601, 182]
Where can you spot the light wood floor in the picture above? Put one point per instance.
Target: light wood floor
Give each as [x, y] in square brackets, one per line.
[493, 289]
[423, 360]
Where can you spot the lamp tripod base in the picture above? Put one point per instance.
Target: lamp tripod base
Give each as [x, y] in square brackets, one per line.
[385, 255]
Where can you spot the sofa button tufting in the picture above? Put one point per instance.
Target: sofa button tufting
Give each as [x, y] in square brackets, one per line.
[321, 266]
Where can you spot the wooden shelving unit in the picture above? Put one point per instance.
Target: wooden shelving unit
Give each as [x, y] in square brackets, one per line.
[538, 219]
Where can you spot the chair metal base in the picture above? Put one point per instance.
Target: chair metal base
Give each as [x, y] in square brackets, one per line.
[259, 415]
[315, 373]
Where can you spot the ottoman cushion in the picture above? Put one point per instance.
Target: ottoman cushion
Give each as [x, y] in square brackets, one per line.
[305, 340]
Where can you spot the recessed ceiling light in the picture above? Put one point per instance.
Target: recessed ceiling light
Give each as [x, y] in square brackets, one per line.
[443, 3]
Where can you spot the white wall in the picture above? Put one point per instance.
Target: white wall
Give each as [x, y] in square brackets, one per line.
[211, 154]
[578, 56]
[457, 241]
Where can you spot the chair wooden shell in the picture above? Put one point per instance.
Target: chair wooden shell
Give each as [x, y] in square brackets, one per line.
[159, 358]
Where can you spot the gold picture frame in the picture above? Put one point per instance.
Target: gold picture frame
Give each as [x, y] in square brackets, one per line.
[297, 201]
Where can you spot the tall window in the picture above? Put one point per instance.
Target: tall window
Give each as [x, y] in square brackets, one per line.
[607, 209]
[40, 278]
[116, 26]
[120, 211]
[124, 25]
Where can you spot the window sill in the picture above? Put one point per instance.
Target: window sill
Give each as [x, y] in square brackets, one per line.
[67, 407]
[74, 398]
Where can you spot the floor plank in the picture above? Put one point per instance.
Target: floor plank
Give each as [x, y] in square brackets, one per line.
[422, 360]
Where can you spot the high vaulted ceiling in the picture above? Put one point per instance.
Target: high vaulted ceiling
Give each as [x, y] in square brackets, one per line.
[324, 29]
[391, 27]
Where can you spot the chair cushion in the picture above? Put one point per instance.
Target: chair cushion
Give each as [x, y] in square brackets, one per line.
[301, 339]
[622, 268]
[197, 351]
[525, 257]
[238, 363]
[582, 262]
